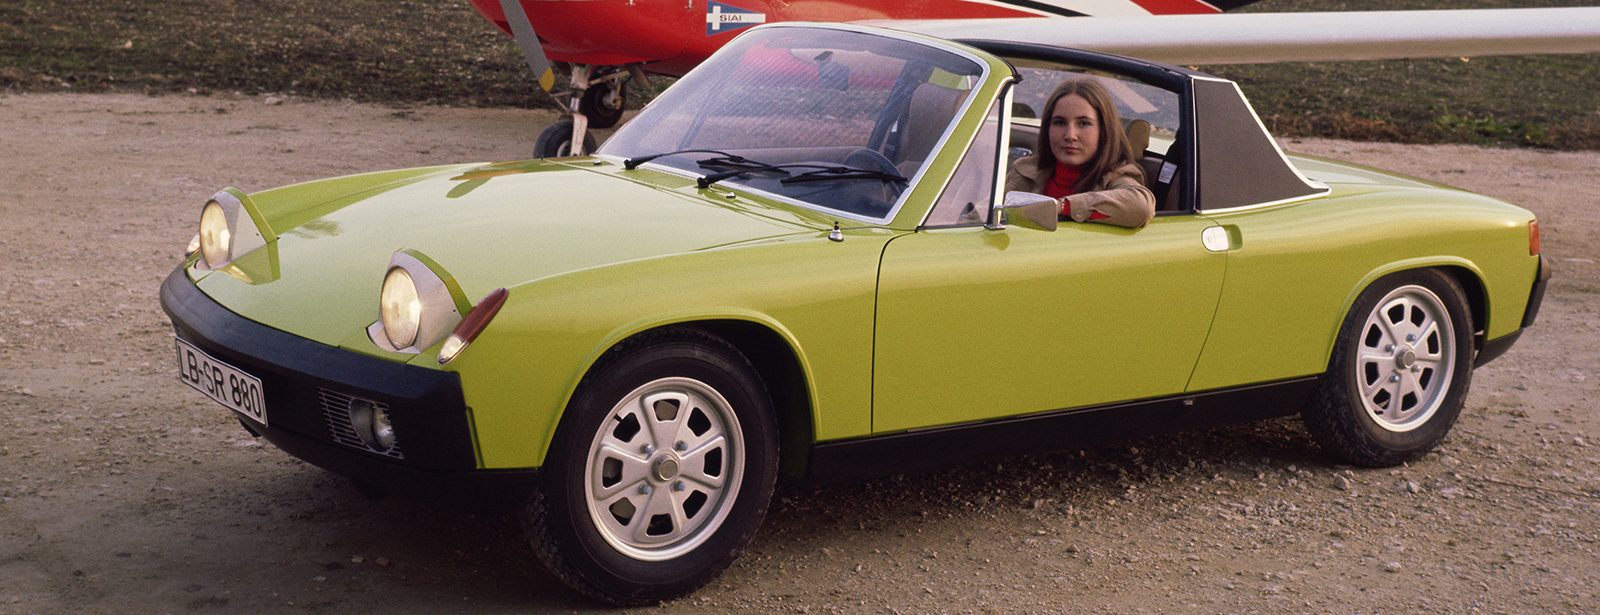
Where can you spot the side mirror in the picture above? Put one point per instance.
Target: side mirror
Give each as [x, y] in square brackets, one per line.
[1027, 210]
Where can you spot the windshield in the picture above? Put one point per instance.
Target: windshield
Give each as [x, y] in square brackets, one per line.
[832, 119]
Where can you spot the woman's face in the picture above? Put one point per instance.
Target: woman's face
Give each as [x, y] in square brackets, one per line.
[1074, 131]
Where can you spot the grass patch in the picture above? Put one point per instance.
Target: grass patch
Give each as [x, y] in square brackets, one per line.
[423, 51]
[442, 52]
[1541, 101]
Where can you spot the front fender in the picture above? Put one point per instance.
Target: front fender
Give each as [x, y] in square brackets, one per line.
[816, 295]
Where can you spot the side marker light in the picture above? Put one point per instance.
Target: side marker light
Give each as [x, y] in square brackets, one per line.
[469, 327]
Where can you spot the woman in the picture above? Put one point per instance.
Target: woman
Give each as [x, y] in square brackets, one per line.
[1083, 159]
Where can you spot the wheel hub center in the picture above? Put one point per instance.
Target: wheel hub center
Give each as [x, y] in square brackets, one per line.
[665, 468]
[1405, 358]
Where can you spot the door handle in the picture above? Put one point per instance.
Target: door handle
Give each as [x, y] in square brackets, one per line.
[1220, 238]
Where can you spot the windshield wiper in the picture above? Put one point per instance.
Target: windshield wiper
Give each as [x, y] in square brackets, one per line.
[822, 173]
[742, 164]
[633, 163]
[833, 173]
[707, 180]
[733, 162]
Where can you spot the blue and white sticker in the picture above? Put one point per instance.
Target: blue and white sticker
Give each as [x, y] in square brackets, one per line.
[722, 18]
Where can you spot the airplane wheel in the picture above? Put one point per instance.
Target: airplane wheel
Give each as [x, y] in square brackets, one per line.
[556, 141]
[603, 103]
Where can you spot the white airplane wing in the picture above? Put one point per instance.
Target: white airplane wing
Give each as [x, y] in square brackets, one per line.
[1255, 38]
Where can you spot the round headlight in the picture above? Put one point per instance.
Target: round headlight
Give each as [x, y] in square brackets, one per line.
[215, 239]
[400, 308]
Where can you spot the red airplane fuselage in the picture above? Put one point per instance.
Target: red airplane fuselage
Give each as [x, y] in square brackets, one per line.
[672, 36]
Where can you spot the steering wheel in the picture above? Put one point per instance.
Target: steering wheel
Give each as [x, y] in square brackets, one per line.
[872, 160]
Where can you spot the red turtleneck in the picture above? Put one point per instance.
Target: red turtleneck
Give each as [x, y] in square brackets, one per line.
[1061, 186]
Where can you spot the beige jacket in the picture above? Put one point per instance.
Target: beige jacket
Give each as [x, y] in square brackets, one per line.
[1120, 194]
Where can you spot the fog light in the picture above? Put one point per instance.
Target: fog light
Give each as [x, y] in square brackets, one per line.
[371, 424]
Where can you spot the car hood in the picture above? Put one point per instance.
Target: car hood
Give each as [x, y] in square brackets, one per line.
[489, 226]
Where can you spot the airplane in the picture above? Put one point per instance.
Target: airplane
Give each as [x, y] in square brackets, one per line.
[605, 43]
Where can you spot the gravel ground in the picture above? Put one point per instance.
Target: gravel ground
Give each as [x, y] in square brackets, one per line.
[124, 492]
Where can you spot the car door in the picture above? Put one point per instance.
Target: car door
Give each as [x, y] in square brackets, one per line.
[975, 323]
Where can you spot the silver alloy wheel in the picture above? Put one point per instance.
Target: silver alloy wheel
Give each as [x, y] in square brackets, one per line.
[1405, 358]
[665, 470]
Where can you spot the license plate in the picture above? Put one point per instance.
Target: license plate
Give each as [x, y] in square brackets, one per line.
[226, 384]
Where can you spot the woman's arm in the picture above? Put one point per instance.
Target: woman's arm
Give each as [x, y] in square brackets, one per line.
[1020, 176]
[1124, 201]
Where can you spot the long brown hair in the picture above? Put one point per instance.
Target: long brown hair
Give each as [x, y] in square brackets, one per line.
[1114, 150]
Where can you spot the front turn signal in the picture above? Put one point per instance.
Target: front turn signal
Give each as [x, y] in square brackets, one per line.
[1533, 238]
[469, 327]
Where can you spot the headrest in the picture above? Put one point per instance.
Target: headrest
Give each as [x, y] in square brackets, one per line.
[1138, 136]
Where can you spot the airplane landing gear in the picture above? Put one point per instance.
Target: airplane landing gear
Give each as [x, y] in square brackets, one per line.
[605, 99]
[556, 140]
[598, 97]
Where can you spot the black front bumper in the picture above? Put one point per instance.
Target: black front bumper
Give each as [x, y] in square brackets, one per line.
[308, 385]
[1492, 349]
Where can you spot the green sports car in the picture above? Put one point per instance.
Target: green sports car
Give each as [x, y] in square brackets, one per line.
[799, 260]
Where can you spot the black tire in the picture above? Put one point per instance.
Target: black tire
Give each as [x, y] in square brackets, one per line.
[650, 543]
[602, 108]
[1386, 398]
[556, 141]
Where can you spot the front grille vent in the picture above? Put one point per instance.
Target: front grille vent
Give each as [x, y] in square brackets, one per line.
[336, 411]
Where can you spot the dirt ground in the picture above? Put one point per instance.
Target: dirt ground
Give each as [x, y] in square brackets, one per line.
[122, 491]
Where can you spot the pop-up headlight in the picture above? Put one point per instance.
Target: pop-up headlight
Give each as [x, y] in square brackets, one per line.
[230, 227]
[418, 306]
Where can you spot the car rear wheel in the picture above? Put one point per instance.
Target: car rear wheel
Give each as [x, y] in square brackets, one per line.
[1399, 371]
[660, 472]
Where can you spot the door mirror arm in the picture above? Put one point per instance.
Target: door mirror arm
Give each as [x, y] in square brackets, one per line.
[1027, 210]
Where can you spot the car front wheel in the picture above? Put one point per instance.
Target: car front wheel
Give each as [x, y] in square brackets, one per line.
[1399, 371]
[660, 472]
